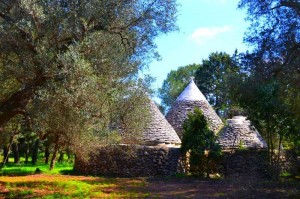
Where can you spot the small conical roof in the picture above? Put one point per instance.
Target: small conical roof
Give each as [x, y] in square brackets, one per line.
[186, 102]
[159, 130]
[239, 133]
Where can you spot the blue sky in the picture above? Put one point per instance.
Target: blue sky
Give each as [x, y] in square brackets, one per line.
[206, 26]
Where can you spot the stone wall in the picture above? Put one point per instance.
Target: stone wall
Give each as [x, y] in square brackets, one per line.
[245, 163]
[131, 160]
[254, 163]
[290, 162]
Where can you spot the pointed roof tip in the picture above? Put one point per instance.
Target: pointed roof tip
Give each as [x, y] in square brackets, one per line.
[191, 93]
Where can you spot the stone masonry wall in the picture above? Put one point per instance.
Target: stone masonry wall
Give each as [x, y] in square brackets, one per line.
[134, 160]
[254, 163]
[245, 163]
[126, 160]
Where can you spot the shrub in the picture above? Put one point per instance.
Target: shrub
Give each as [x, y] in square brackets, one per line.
[200, 142]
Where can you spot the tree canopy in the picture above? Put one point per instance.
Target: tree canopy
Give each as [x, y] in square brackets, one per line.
[70, 67]
[273, 66]
[213, 78]
[75, 45]
[274, 33]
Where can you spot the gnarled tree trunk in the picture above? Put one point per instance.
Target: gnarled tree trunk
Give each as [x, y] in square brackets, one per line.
[17, 102]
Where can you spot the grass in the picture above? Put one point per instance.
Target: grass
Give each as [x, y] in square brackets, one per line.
[12, 169]
[20, 181]
[65, 186]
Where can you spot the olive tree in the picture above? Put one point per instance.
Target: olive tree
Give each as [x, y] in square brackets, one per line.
[109, 39]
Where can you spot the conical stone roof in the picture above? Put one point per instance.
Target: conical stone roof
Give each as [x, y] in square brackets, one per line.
[186, 102]
[159, 130]
[240, 134]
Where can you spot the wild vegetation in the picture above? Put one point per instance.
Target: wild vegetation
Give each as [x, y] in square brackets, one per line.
[199, 142]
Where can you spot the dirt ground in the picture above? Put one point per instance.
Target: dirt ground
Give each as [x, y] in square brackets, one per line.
[184, 187]
[233, 188]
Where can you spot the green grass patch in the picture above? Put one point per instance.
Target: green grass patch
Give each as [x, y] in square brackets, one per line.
[12, 169]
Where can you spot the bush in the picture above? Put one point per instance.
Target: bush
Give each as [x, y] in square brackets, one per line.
[200, 142]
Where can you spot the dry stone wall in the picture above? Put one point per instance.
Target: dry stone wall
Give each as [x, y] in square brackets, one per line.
[254, 163]
[131, 160]
[245, 163]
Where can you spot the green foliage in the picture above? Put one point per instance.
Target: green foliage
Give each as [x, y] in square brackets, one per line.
[200, 142]
[174, 84]
[213, 78]
[270, 93]
[71, 67]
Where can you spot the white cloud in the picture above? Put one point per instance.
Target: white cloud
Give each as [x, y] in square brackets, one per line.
[202, 34]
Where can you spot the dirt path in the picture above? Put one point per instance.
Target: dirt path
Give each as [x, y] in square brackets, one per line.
[188, 189]
[233, 189]
[3, 191]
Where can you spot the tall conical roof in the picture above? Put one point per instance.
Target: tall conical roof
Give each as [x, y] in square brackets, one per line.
[159, 130]
[186, 102]
[240, 133]
[191, 93]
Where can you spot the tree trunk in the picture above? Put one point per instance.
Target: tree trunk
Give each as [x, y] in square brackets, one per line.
[53, 159]
[61, 157]
[47, 155]
[18, 101]
[5, 160]
[26, 154]
[5, 154]
[15, 150]
[277, 174]
[69, 154]
[207, 168]
[35, 152]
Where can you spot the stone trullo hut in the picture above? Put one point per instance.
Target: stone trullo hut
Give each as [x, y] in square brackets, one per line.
[159, 130]
[240, 134]
[186, 102]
